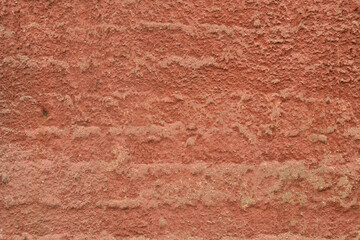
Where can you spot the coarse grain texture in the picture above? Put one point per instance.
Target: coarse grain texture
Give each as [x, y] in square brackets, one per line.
[139, 119]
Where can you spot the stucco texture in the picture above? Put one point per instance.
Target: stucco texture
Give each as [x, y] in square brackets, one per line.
[179, 119]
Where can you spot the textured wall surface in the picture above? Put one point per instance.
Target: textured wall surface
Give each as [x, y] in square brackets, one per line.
[180, 119]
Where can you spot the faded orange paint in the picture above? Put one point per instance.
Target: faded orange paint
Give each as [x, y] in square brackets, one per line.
[179, 119]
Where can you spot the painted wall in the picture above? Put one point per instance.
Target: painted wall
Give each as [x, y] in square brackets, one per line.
[180, 119]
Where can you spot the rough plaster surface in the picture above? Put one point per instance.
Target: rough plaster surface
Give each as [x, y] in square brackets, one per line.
[180, 119]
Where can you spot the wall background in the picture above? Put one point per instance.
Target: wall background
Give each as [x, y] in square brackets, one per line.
[179, 119]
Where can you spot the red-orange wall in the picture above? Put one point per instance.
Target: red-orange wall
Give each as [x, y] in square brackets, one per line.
[178, 119]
